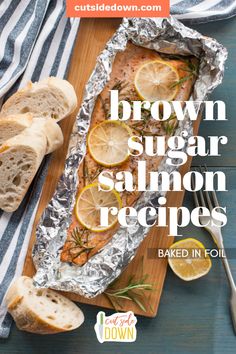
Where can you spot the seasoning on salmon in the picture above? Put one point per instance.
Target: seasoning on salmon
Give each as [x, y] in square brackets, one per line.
[81, 243]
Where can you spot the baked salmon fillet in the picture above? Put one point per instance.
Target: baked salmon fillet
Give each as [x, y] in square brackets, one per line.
[122, 78]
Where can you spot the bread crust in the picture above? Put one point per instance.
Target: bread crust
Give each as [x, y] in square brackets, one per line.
[51, 84]
[27, 320]
[52, 132]
[31, 145]
[24, 118]
[66, 88]
[15, 302]
[13, 125]
[24, 314]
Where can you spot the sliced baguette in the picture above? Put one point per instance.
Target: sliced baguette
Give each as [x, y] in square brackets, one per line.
[50, 98]
[41, 311]
[52, 132]
[13, 125]
[20, 158]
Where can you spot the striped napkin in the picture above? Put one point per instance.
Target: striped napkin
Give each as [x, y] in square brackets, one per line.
[36, 41]
[201, 11]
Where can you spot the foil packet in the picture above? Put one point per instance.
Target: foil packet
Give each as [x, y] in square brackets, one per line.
[164, 35]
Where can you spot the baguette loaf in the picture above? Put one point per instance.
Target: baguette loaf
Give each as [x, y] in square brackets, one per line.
[41, 311]
[50, 98]
[13, 125]
[20, 158]
[52, 132]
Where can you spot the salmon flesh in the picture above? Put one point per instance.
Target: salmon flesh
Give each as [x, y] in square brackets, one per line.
[81, 244]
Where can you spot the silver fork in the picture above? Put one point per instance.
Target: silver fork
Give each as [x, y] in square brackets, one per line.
[209, 200]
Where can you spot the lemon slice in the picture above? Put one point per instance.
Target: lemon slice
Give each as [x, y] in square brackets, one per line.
[192, 266]
[108, 143]
[156, 81]
[88, 205]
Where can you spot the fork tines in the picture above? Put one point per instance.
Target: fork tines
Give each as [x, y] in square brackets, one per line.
[204, 198]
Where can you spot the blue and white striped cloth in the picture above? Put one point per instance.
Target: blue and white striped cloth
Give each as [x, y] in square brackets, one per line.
[201, 11]
[36, 41]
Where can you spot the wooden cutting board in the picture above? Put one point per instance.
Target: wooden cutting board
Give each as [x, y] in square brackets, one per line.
[92, 36]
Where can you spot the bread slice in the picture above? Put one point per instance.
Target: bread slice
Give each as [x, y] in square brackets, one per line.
[50, 98]
[52, 132]
[20, 158]
[41, 311]
[13, 125]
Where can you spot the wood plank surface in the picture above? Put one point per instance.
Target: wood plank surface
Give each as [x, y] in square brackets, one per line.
[93, 35]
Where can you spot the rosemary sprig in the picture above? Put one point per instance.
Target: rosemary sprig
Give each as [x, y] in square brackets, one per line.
[169, 126]
[79, 242]
[133, 291]
[93, 176]
[192, 70]
[119, 85]
[173, 56]
[142, 132]
[141, 125]
[192, 67]
[181, 81]
[78, 237]
[76, 255]
[146, 116]
[90, 176]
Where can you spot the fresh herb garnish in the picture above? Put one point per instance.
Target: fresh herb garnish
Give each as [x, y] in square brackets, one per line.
[119, 85]
[79, 239]
[173, 57]
[90, 176]
[181, 81]
[133, 291]
[170, 124]
[142, 132]
[192, 71]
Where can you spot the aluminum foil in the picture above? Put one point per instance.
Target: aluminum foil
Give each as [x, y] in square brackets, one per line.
[165, 35]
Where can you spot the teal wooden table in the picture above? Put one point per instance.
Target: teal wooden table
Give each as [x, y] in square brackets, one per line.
[193, 317]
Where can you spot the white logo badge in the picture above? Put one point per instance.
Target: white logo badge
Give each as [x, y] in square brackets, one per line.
[119, 327]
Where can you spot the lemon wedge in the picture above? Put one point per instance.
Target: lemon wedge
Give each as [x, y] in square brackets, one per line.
[156, 81]
[108, 143]
[195, 264]
[88, 204]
